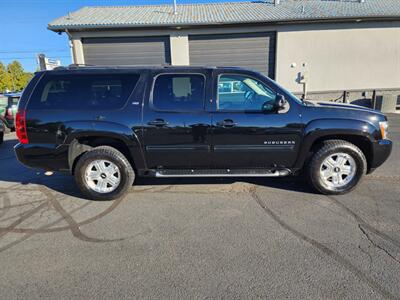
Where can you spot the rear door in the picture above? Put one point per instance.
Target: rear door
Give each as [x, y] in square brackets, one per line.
[247, 131]
[177, 128]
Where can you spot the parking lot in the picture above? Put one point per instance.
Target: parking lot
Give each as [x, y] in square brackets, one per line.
[199, 238]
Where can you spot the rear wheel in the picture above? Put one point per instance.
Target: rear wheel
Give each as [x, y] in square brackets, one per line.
[104, 173]
[337, 167]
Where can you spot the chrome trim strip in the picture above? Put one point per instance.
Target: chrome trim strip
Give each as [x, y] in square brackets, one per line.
[228, 148]
[275, 174]
[178, 148]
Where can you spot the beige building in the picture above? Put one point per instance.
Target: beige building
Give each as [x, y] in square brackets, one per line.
[328, 47]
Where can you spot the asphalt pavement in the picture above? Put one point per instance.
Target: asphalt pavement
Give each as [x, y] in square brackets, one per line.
[199, 238]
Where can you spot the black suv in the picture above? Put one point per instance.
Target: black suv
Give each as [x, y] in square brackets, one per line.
[107, 125]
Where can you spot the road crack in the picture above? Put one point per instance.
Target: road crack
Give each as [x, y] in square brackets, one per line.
[363, 223]
[377, 245]
[344, 262]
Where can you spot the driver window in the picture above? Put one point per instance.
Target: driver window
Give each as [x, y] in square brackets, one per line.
[242, 93]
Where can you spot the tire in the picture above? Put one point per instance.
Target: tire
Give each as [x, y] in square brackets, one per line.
[1, 137]
[349, 159]
[101, 156]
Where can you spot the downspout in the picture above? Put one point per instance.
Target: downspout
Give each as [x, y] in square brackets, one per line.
[71, 47]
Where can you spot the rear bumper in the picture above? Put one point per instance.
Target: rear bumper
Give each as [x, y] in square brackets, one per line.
[380, 152]
[43, 156]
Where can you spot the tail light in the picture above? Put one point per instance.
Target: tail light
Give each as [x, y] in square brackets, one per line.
[20, 127]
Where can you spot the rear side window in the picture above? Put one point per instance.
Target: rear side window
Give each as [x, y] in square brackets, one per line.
[83, 92]
[179, 92]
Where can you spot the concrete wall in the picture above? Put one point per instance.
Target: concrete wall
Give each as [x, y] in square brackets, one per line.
[339, 56]
[179, 49]
[77, 51]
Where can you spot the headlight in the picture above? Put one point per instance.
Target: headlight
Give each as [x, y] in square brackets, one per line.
[384, 129]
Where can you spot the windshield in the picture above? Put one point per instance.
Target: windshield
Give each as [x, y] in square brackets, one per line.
[288, 93]
[256, 87]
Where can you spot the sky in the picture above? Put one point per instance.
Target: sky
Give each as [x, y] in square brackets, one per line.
[24, 33]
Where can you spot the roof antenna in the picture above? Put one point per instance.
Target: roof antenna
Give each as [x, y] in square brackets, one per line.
[175, 9]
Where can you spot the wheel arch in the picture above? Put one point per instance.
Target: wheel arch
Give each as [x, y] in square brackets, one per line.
[359, 133]
[127, 143]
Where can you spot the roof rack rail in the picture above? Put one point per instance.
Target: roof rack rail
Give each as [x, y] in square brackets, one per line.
[71, 66]
[79, 65]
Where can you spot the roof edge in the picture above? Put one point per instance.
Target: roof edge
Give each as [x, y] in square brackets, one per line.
[64, 28]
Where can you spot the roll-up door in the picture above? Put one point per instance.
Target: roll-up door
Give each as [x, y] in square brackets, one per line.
[254, 51]
[127, 50]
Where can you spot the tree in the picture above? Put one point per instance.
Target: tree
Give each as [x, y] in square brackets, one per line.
[18, 77]
[13, 78]
[3, 77]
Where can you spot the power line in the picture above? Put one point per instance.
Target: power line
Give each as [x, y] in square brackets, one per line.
[31, 57]
[37, 51]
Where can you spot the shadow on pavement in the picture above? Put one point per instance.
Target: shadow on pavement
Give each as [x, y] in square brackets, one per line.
[14, 171]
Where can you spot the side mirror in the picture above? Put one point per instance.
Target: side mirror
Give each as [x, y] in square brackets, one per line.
[280, 102]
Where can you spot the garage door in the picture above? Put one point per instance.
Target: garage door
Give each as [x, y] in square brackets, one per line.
[127, 51]
[255, 51]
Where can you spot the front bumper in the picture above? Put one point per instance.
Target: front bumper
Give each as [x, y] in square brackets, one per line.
[380, 152]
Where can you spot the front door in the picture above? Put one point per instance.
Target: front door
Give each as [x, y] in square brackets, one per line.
[176, 127]
[248, 132]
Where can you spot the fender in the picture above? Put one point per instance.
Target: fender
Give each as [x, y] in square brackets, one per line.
[69, 132]
[333, 127]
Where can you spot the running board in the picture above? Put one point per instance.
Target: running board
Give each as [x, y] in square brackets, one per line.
[222, 173]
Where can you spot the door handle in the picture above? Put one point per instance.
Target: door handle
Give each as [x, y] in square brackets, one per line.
[158, 122]
[226, 123]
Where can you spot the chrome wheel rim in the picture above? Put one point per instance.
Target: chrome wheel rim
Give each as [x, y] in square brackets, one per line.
[102, 176]
[337, 170]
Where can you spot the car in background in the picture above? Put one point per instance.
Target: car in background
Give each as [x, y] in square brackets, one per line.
[3, 102]
[1, 132]
[8, 108]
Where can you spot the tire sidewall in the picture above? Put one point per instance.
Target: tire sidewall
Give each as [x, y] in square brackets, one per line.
[315, 175]
[124, 184]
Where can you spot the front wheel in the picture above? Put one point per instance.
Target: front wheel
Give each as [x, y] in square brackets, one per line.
[337, 167]
[104, 173]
